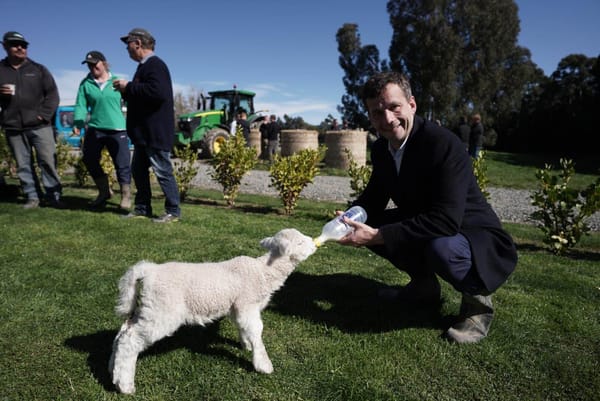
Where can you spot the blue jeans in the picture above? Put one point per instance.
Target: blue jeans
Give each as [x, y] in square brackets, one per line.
[42, 140]
[448, 257]
[160, 161]
[116, 143]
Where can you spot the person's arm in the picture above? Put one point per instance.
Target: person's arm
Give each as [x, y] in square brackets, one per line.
[51, 98]
[81, 109]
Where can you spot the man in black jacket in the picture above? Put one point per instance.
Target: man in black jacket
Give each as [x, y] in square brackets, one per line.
[150, 125]
[442, 225]
[28, 99]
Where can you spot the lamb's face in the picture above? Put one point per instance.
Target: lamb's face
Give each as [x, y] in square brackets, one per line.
[292, 243]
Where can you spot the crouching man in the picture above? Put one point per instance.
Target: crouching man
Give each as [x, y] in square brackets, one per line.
[442, 225]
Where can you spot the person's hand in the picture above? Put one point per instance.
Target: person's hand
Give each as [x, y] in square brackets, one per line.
[6, 90]
[76, 131]
[362, 235]
[120, 84]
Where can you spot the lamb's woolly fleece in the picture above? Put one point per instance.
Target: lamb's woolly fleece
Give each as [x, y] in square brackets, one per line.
[176, 293]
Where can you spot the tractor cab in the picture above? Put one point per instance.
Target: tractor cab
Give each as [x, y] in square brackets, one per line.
[231, 100]
[209, 126]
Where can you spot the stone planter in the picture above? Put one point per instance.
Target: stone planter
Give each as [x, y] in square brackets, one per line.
[337, 141]
[295, 140]
[254, 141]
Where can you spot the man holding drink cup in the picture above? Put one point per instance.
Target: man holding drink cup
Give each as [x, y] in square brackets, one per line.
[28, 100]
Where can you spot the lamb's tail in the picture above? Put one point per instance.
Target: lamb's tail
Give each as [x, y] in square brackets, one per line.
[128, 286]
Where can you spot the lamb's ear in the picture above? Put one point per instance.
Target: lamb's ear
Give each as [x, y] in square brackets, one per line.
[267, 243]
[284, 245]
[281, 245]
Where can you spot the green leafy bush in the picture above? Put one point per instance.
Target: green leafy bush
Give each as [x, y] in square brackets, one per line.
[185, 169]
[65, 157]
[359, 175]
[232, 162]
[480, 170]
[290, 174]
[7, 162]
[563, 210]
[80, 172]
[109, 168]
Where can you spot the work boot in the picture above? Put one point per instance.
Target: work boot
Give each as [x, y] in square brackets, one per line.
[32, 203]
[475, 319]
[103, 193]
[424, 290]
[125, 196]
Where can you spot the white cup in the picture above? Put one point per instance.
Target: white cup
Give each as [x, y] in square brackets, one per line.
[11, 87]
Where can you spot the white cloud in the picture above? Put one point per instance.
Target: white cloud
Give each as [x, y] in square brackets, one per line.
[68, 82]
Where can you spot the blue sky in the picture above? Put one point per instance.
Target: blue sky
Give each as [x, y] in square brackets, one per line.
[284, 51]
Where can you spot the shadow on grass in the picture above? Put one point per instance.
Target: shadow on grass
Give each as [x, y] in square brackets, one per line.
[98, 346]
[350, 303]
[12, 194]
[196, 339]
[246, 208]
[576, 254]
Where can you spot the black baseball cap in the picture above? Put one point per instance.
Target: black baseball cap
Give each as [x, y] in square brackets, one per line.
[137, 33]
[94, 57]
[13, 36]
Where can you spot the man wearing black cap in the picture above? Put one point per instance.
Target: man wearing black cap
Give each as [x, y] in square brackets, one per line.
[28, 99]
[150, 125]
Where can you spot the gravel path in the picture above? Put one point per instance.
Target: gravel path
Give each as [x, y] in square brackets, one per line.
[511, 205]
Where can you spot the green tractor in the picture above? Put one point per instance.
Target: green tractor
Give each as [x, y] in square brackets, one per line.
[207, 128]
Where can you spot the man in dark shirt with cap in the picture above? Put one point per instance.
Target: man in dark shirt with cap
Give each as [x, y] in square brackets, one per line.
[150, 125]
[28, 99]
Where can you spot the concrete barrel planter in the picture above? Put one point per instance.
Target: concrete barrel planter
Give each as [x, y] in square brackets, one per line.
[353, 140]
[295, 140]
[254, 140]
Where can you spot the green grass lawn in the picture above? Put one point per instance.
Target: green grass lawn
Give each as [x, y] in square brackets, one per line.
[518, 170]
[327, 335]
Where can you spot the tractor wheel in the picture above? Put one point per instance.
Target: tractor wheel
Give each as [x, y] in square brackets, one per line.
[213, 140]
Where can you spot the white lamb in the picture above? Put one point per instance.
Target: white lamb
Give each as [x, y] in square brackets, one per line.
[175, 293]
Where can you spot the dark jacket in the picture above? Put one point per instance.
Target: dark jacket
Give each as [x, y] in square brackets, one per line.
[464, 133]
[36, 95]
[437, 196]
[273, 131]
[476, 139]
[150, 113]
[245, 129]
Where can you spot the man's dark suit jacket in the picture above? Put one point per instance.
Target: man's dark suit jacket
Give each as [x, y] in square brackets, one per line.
[150, 113]
[437, 195]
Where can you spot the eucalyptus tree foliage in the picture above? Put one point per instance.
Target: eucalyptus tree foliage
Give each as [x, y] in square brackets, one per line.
[458, 53]
[359, 63]
[426, 46]
[561, 114]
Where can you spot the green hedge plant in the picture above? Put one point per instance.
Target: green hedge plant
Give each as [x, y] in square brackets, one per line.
[230, 165]
[562, 210]
[185, 168]
[359, 175]
[480, 171]
[291, 174]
